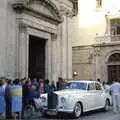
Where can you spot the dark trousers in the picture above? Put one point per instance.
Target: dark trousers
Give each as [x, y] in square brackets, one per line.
[8, 109]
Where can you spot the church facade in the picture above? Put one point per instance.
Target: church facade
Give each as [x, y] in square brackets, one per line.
[35, 38]
[96, 42]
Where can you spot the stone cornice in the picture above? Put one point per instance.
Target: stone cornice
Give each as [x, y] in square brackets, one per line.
[21, 5]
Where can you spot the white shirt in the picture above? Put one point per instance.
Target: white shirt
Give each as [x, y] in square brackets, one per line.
[115, 88]
[107, 87]
[4, 86]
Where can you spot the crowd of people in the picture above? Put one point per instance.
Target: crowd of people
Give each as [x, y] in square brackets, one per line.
[16, 94]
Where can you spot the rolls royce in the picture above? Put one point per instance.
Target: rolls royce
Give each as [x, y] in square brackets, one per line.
[76, 97]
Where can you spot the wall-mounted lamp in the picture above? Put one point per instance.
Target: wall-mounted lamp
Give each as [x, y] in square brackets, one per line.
[75, 73]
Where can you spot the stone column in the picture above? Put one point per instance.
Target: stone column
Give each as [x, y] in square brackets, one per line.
[54, 56]
[48, 62]
[97, 63]
[108, 28]
[64, 48]
[59, 52]
[105, 72]
[17, 44]
[66, 45]
[22, 50]
[69, 46]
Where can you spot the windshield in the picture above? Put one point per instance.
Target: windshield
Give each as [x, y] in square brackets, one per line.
[75, 85]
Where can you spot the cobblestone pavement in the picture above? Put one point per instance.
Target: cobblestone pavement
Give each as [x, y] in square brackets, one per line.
[94, 115]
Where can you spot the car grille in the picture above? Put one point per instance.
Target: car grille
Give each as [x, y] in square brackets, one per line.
[52, 101]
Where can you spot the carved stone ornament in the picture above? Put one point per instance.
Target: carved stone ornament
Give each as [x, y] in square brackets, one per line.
[97, 51]
[18, 5]
[65, 11]
[22, 27]
[54, 36]
[21, 5]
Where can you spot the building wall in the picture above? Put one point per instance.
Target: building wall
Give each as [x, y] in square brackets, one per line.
[83, 62]
[91, 62]
[7, 39]
[89, 24]
[14, 33]
[91, 21]
[105, 51]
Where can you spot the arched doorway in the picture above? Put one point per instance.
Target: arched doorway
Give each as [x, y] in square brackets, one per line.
[113, 67]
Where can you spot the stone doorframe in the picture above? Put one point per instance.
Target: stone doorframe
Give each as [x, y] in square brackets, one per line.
[51, 20]
[50, 35]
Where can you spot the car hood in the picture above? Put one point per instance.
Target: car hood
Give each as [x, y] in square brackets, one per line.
[70, 91]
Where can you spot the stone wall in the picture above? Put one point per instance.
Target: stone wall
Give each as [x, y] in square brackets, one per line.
[52, 21]
[83, 62]
[90, 62]
[7, 39]
[105, 51]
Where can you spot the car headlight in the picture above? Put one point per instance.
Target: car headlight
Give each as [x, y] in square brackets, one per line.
[43, 99]
[62, 99]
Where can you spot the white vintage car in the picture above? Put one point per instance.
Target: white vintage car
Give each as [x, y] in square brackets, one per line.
[75, 98]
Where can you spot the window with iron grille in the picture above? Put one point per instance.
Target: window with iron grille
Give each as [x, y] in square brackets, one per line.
[115, 26]
[118, 30]
[98, 3]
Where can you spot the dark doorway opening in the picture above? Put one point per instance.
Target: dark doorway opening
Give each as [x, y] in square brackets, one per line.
[113, 72]
[114, 67]
[36, 57]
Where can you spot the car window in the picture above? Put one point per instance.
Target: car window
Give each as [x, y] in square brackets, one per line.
[75, 85]
[98, 86]
[91, 86]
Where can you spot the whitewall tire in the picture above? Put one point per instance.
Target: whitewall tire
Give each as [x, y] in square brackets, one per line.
[77, 110]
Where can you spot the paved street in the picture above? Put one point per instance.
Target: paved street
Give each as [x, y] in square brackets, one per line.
[95, 115]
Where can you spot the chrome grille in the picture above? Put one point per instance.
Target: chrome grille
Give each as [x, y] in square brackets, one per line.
[52, 101]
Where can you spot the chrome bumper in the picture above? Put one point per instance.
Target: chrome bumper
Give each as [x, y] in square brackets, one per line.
[56, 111]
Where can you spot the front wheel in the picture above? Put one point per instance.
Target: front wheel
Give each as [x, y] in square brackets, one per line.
[77, 110]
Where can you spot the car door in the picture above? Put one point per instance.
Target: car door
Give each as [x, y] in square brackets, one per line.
[99, 93]
[90, 96]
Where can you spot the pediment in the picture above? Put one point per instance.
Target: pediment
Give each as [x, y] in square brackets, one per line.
[44, 8]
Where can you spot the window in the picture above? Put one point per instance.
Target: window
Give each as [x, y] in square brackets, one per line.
[75, 7]
[115, 27]
[113, 67]
[91, 86]
[97, 86]
[118, 30]
[75, 85]
[98, 3]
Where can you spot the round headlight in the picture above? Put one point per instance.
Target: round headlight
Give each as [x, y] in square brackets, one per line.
[63, 99]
